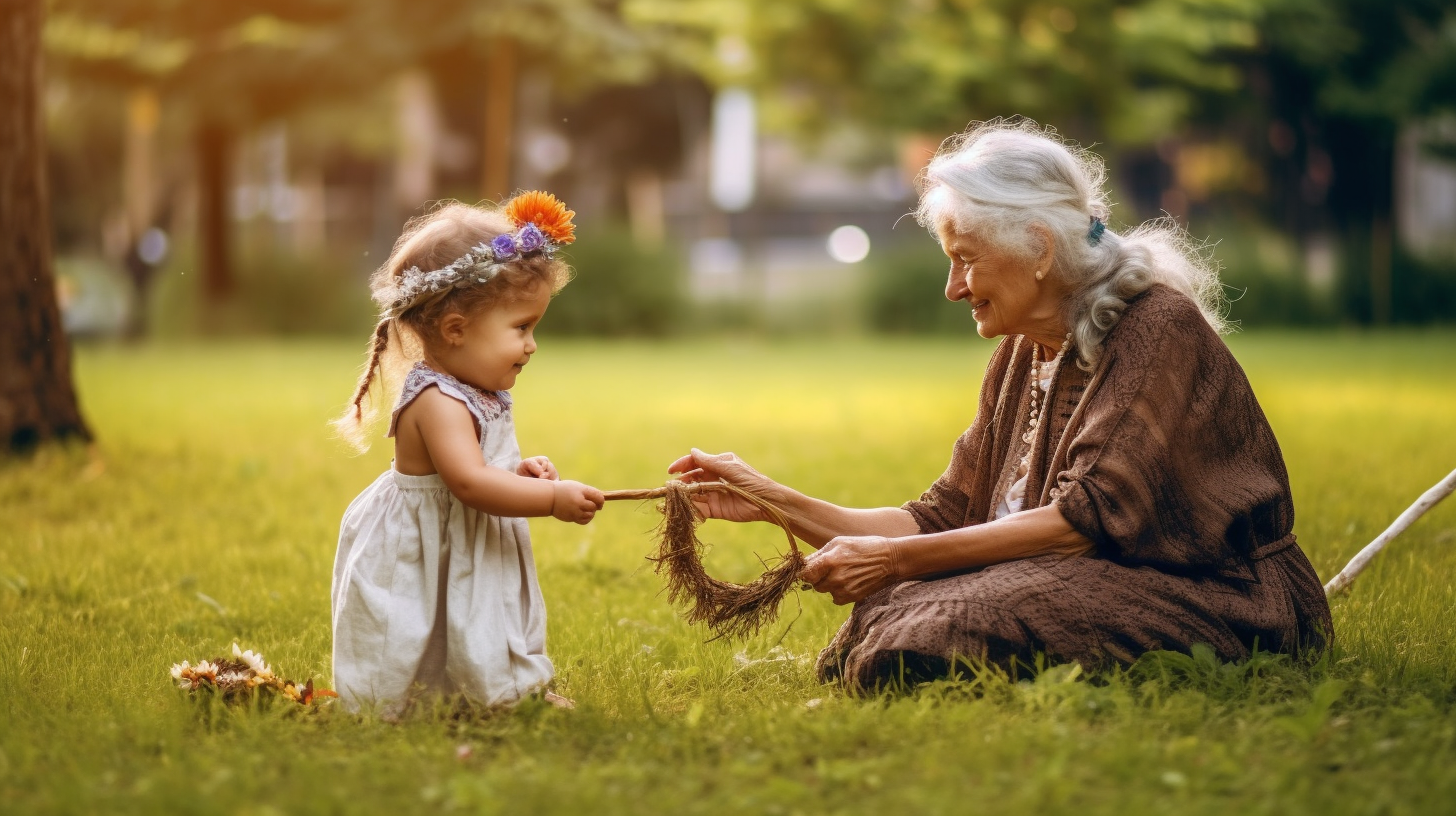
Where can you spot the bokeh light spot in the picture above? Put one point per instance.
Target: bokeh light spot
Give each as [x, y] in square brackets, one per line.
[152, 246]
[849, 244]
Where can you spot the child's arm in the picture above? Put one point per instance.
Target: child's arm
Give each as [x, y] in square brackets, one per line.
[448, 432]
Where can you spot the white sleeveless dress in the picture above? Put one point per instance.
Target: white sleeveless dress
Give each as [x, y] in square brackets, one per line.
[429, 593]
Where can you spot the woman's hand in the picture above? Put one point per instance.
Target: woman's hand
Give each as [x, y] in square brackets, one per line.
[574, 501]
[852, 568]
[723, 467]
[537, 467]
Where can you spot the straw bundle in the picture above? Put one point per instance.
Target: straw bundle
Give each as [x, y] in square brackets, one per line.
[729, 610]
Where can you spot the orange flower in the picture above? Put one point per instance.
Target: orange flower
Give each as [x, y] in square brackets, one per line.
[545, 211]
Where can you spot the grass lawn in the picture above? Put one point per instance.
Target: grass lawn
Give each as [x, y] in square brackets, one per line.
[209, 513]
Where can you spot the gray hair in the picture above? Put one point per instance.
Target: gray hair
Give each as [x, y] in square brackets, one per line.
[1000, 178]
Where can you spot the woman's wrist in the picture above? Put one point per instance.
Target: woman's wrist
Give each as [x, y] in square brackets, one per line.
[916, 556]
[895, 551]
[786, 499]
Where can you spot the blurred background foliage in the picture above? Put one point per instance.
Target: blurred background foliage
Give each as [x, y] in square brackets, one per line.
[241, 167]
[620, 288]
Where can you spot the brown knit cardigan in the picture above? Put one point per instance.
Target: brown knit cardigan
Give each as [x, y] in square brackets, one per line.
[1161, 457]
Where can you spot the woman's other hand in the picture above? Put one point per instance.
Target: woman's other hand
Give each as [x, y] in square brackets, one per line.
[537, 467]
[852, 568]
[723, 467]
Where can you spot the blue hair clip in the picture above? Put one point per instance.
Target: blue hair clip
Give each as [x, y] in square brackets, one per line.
[1094, 233]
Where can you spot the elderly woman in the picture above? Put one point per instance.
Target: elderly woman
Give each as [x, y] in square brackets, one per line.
[1119, 491]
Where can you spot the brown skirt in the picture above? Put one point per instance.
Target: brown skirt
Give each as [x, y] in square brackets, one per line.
[1085, 610]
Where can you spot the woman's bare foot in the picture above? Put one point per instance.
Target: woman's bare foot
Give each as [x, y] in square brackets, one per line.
[557, 700]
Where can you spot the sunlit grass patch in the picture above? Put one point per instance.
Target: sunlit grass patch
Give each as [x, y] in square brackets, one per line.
[208, 514]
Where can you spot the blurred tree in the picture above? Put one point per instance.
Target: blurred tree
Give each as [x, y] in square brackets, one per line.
[1316, 90]
[1129, 71]
[1333, 82]
[37, 398]
[231, 66]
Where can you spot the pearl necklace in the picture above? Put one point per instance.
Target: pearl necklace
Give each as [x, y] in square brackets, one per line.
[1015, 498]
[1038, 404]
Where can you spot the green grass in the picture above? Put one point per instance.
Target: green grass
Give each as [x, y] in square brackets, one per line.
[209, 513]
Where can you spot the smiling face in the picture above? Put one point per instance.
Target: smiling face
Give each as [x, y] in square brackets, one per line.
[1001, 287]
[489, 349]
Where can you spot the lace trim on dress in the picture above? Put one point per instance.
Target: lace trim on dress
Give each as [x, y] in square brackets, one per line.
[483, 405]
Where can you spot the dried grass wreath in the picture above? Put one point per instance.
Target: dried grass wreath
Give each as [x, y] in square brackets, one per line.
[729, 610]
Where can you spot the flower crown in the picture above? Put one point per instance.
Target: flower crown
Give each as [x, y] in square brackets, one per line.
[242, 677]
[543, 225]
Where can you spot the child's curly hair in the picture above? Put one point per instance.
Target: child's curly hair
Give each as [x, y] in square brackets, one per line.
[432, 241]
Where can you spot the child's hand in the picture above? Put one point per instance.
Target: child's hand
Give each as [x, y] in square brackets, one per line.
[537, 467]
[574, 501]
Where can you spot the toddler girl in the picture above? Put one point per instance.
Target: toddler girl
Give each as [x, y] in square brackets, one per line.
[434, 585]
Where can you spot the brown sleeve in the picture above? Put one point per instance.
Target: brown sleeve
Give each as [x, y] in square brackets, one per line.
[946, 504]
[943, 505]
[1174, 465]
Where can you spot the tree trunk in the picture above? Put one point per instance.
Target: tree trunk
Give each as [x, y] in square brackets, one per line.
[214, 143]
[37, 399]
[500, 120]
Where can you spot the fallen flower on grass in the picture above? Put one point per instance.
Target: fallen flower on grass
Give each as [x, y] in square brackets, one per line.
[254, 661]
[239, 678]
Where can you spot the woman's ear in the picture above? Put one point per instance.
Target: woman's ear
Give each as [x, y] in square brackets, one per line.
[452, 328]
[1047, 255]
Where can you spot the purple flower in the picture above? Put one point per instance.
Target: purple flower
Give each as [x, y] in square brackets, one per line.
[531, 238]
[503, 245]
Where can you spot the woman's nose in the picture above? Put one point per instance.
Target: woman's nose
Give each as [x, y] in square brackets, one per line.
[955, 285]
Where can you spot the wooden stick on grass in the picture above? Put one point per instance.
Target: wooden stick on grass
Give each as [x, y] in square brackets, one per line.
[729, 610]
[1361, 560]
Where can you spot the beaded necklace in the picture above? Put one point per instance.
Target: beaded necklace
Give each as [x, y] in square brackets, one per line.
[1039, 371]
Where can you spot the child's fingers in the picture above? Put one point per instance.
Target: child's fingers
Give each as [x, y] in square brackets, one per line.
[540, 467]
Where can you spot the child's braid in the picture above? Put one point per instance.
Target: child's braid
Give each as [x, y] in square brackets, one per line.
[377, 346]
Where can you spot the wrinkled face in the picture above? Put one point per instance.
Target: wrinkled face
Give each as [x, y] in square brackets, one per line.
[497, 343]
[1000, 288]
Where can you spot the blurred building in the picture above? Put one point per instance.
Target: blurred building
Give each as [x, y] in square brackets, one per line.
[1425, 191]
